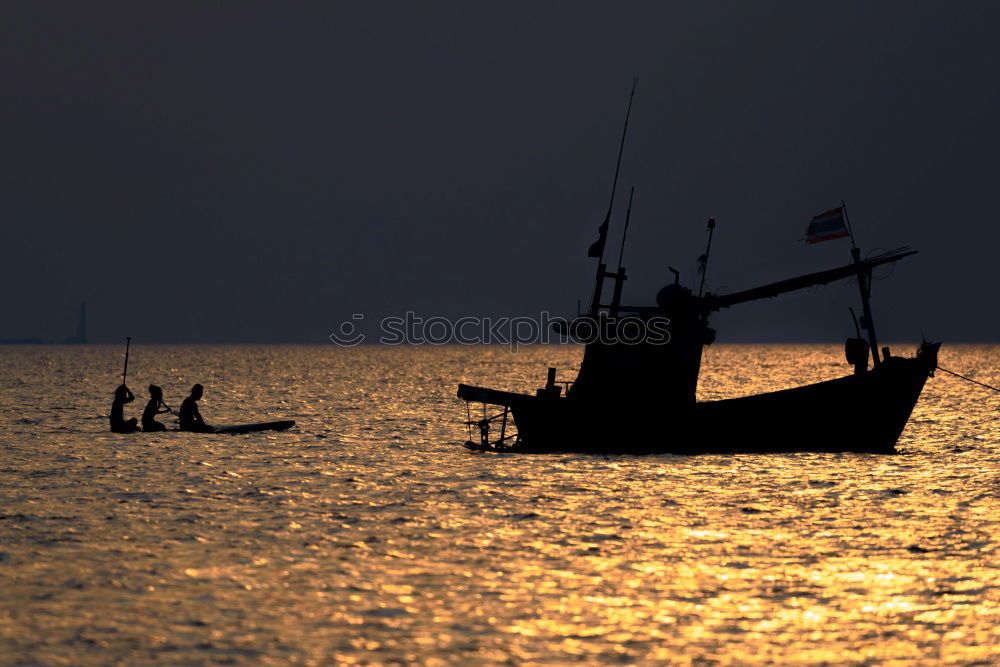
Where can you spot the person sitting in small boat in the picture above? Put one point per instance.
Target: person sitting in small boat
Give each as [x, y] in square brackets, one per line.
[189, 416]
[149, 422]
[117, 416]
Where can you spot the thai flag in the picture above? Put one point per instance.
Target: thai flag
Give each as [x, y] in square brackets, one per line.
[827, 226]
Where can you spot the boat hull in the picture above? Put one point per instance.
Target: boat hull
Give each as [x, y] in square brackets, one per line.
[865, 412]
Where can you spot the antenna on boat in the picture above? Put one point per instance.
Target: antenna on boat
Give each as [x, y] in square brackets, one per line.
[619, 275]
[865, 288]
[597, 249]
[628, 214]
[703, 260]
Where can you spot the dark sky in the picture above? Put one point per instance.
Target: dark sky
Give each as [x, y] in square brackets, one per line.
[253, 172]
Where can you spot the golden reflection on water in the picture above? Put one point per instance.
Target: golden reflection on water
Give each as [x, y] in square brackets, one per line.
[368, 535]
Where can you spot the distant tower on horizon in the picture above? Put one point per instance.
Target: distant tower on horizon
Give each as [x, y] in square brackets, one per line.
[81, 329]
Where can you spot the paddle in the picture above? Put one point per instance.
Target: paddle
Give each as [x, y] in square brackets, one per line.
[128, 341]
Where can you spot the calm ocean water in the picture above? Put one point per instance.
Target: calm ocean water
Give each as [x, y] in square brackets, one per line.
[367, 534]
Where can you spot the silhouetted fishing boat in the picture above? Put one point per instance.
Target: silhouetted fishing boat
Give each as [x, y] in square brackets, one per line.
[640, 398]
[637, 393]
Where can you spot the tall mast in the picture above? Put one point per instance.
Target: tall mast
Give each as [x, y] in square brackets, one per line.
[597, 249]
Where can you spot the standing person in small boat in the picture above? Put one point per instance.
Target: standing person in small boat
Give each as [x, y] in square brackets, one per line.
[189, 416]
[149, 422]
[117, 416]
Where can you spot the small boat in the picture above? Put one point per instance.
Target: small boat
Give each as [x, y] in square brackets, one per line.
[253, 428]
[240, 428]
[637, 394]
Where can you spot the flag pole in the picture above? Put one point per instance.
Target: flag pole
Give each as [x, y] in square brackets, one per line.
[865, 287]
[847, 221]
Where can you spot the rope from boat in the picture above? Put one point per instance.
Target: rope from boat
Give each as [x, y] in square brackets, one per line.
[959, 375]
